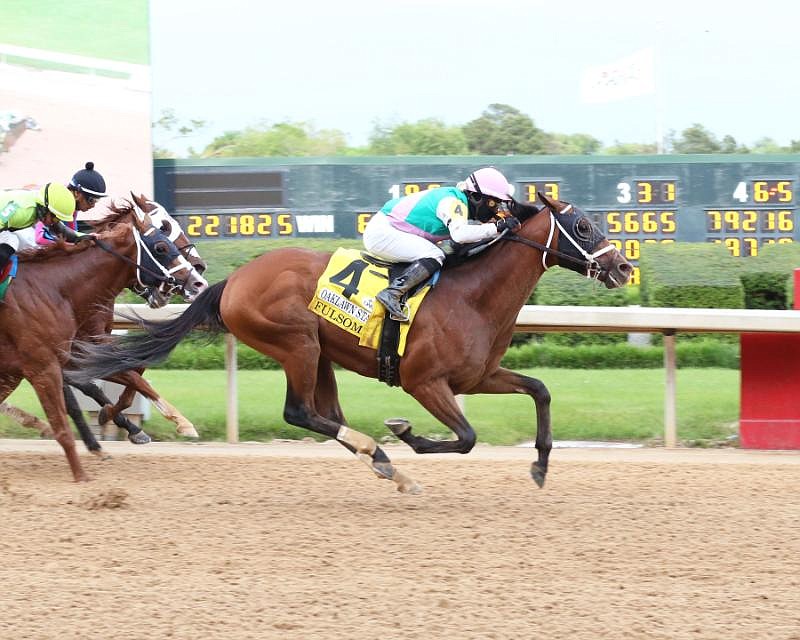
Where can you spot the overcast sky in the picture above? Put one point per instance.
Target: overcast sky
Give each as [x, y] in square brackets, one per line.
[350, 64]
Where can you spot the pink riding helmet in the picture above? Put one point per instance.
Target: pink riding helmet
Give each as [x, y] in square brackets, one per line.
[489, 181]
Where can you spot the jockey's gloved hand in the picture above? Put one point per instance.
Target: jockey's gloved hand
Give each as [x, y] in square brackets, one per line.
[509, 222]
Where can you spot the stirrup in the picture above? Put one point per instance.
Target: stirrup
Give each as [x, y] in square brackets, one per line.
[391, 302]
[400, 318]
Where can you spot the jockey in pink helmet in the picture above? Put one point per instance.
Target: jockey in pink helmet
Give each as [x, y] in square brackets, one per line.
[407, 229]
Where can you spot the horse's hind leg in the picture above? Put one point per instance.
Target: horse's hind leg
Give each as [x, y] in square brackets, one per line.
[8, 383]
[506, 381]
[26, 419]
[300, 411]
[326, 394]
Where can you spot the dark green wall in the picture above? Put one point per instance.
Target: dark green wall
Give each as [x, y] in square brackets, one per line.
[691, 194]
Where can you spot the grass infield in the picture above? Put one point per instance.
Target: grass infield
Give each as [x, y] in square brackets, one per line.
[603, 404]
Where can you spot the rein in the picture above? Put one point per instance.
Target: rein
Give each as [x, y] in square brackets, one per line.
[593, 268]
[164, 276]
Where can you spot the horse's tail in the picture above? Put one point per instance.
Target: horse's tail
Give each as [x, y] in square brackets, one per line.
[91, 360]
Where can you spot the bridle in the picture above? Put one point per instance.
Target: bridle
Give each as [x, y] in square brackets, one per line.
[158, 213]
[162, 275]
[159, 217]
[588, 263]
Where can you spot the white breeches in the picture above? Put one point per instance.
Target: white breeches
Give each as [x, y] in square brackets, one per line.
[27, 239]
[384, 241]
[9, 238]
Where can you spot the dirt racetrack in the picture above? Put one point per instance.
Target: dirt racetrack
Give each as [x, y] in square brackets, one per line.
[301, 541]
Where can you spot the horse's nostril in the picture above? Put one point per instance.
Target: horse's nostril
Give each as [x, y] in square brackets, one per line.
[626, 267]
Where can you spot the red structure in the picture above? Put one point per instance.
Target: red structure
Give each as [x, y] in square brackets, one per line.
[770, 387]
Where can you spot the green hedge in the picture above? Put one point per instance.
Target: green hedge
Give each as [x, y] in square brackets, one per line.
[561, 287]
[199, 354]
[698, 275]
[768, 278]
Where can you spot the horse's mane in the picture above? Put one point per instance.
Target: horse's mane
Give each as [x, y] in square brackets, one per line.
[116, 215]
[106, 225]
[58, 248]
[472, 251]
[524, 210]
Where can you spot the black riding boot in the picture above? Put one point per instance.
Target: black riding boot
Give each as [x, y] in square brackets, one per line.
[6, 251]
[415, 273]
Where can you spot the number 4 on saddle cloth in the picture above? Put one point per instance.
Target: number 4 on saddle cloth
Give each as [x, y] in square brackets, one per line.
[7, 274]
[345, 296]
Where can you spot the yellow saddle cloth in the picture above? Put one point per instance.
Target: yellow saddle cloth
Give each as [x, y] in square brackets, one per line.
[345, 296]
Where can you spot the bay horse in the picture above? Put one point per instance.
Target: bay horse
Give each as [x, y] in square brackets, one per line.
[454, 345]
[57, 295]
[156, 294]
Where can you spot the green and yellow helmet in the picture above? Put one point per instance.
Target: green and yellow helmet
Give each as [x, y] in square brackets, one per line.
[57, 199]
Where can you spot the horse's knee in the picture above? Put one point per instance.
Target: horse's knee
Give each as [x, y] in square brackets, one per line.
[65, 438]
[466, 441]
[296, 414]
[540, 392]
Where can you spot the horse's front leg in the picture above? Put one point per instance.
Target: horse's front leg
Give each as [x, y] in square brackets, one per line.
[440, 401]
[47, 382]
[134, 382]
[135, 434]
[437, 397]
[506, 381]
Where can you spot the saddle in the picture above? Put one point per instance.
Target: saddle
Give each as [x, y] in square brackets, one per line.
[345, 297]
[389, 351]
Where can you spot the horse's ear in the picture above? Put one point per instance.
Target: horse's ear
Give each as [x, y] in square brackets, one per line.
[139, 213]
[547, 201]
[139, 200]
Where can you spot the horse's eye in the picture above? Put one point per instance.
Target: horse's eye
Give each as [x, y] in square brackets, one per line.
[583, 229]
[161, 248]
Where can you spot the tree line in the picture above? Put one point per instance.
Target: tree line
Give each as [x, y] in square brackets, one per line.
[500, 130]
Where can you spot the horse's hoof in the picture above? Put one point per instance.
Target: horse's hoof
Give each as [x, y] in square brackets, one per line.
[382, 469]
[140, 437]
[101, 453]
[398, 426]
[412, 488]
[188, 432]
[538, 475]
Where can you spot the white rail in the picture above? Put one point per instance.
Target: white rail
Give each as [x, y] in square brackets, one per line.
[535, 319]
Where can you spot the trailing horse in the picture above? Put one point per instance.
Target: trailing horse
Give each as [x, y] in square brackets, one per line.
[156, 293]
[454, 346]
[57, 295]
